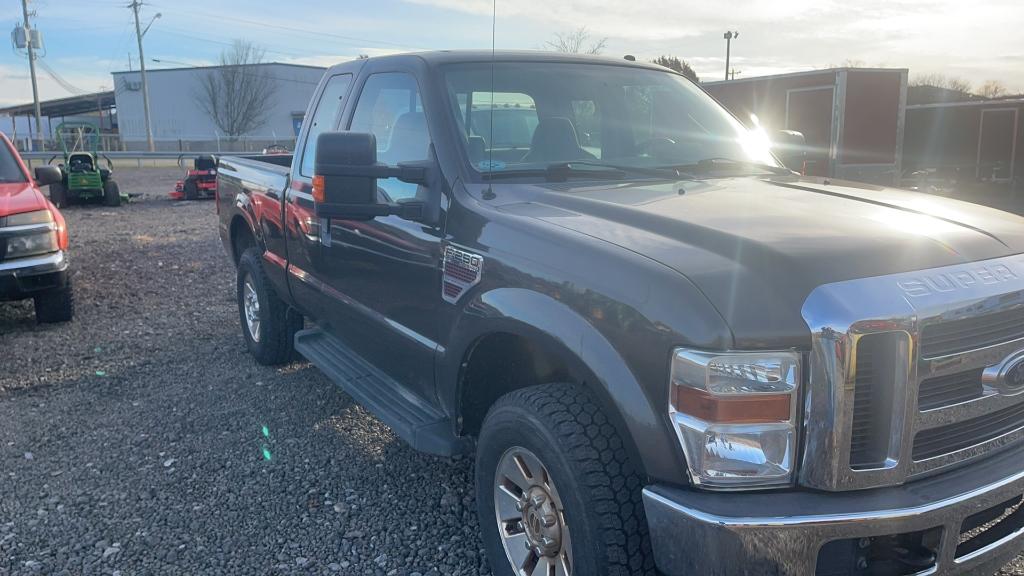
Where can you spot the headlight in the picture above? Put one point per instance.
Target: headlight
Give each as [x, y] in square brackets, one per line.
[29, 234]
[736, 416]
[32, 244]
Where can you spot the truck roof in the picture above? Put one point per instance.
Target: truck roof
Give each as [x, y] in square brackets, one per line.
[439, 57]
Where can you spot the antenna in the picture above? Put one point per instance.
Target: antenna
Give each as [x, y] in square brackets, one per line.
[490, 115]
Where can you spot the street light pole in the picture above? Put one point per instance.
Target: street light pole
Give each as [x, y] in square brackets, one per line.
[32, 69]
[139, 33]
[728, 48]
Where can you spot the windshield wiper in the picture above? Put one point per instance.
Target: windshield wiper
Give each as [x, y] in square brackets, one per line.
[561, 171]
[711, 164]
[669, 172]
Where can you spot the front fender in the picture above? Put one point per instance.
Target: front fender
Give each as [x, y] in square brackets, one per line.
[558, 328]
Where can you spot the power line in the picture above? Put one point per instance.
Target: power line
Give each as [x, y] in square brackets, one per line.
[68, 86]
[175, 32]
[353, 40]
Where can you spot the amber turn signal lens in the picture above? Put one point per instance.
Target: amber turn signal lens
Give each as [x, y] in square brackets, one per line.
[318, 189]
[754, 409]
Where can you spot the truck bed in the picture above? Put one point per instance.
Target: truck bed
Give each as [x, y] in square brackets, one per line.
[266, 173]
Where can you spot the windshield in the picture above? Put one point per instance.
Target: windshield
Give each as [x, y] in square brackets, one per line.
[544, 114]
[10, 170]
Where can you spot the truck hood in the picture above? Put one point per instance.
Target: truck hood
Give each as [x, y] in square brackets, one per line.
[17, 197]
[757, 247]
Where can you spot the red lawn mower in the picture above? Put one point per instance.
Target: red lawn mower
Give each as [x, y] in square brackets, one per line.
[200, 180]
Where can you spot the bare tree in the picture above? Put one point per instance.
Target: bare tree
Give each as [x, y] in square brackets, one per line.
[576, 42]
[992, 89]
[236, 95]
[681, 66]
[942, 81]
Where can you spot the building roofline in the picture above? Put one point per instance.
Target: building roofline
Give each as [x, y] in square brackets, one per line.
[1015, 101]
[79, 104]
[804, 73]
[180, 68]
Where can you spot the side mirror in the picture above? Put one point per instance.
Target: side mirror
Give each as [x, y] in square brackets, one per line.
[46, 175]
[790, 147]
[345, 182]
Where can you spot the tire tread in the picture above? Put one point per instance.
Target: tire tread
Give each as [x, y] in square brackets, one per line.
[593, 446]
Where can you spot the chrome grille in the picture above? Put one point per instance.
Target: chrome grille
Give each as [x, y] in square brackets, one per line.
[951, 389]
[959, 435]
[966, 334]
[955, 336]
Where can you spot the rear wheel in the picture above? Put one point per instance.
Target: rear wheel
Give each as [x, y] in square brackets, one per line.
[556, 492]
[59, 195]
[268, 325]
[55, 306]
[191, 190]
[111, 193]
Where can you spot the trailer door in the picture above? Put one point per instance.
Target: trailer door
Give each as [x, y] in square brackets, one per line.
[810, 111]
[996, 143]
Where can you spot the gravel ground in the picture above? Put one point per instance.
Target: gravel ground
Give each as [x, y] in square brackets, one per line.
[142, 439]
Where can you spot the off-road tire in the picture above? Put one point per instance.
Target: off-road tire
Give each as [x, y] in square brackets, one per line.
[599, 486]
[191, 190]
[59, 195]
[55, 306]
[278, 323]
[111, 193]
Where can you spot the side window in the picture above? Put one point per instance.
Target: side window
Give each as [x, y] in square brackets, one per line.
[390, 108]
[325, 118]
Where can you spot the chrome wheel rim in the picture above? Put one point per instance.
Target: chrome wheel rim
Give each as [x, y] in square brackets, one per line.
[530, 516]
[251, 309]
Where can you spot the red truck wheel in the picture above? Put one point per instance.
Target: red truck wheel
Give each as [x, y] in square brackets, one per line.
[55, 306]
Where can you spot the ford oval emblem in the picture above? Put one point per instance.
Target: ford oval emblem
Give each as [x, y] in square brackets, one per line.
[1013, 375]
[1007, 377]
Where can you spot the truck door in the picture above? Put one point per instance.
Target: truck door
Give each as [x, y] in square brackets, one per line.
[385, 272]
[302, 228]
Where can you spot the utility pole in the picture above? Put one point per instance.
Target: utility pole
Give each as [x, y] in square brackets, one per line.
[728, 48]
[32, 69]
[139, 33]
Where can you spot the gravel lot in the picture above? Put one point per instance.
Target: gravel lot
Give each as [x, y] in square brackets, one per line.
[142, 439]
[132, 440]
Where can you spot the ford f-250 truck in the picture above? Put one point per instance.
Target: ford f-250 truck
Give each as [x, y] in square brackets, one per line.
[666, 351]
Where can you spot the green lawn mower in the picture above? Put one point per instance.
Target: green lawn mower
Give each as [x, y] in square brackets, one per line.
[83, 178]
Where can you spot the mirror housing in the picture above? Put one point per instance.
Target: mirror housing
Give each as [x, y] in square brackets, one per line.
[46, 175]
[790, 147]
[345, 182]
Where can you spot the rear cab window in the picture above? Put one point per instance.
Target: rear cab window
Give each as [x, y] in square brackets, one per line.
[325, 118]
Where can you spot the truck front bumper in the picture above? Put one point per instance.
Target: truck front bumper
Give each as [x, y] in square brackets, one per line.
[25, 277]
[696, 532]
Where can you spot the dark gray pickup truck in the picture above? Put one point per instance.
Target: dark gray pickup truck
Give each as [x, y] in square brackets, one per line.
[667, 352]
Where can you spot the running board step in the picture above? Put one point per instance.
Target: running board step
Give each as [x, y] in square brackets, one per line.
[423, 426]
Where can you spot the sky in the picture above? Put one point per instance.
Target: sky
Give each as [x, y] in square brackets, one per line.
[87, 39]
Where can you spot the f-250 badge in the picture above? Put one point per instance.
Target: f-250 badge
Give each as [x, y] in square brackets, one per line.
[461, 271]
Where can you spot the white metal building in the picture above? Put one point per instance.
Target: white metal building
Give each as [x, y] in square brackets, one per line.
[179, 121]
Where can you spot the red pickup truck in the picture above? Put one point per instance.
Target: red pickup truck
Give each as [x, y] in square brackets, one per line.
[33, 239]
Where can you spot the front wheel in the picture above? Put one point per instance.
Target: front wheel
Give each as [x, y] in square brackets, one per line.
[556, 492]
[268, 326]
[55, 306]
[111, 193]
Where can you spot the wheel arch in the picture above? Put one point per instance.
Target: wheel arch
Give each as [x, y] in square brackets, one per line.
[242, 236]
[543, 341]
